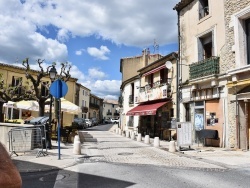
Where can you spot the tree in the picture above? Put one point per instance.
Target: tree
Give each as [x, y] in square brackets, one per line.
[30, 89]
[37, 81]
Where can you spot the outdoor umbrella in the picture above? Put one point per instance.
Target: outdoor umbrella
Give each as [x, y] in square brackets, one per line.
[67, 106]
[27, 105]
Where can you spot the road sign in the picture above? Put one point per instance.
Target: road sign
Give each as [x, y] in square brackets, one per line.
[58, 89]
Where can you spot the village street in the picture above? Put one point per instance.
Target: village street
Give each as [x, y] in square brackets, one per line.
[111, 160]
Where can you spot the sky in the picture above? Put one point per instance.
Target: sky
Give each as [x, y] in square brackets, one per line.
[91, 35]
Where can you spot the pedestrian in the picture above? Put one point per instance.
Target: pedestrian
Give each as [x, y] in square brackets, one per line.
[9, 175]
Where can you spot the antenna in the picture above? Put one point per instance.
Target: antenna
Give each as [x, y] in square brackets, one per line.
[156, 46]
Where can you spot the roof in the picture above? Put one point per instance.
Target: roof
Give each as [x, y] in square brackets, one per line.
[182, 4]
[110, 101]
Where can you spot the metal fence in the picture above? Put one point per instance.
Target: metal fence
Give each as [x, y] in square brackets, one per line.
[25, 139]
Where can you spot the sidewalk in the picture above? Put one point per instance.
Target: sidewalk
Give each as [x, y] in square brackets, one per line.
[28, 162]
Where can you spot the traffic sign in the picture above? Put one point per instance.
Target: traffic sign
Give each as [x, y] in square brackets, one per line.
[58, 89]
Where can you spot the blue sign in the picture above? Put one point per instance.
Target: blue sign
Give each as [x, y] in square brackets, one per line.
[58, 89]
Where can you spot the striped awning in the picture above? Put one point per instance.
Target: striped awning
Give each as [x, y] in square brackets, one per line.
[154, 70]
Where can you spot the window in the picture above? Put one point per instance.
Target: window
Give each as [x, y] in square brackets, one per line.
[163, 76]
[83, 92]
[247, 23]
[113, 105]
[17, 82]
[86, 93]
[131, 96]
[151, 80]
[131, 121]
[205, 46]
[44, 89]
[83, 103]
[203, 8]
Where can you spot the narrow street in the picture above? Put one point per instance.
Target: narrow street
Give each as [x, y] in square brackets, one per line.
[110, 160]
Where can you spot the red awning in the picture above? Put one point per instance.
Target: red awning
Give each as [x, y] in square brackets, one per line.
[145, 109]
[154, 70]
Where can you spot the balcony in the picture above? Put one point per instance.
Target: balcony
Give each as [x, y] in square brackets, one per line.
[109, 113]
[93, 105]
[158, 91]
[85, 109]
[205, 67]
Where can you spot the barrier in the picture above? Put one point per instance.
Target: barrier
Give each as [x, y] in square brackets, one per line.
[139, 137]
[24, 139]
[147, 139]
[156, 142]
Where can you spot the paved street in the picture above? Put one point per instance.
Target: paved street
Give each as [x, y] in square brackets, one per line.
[111, 160]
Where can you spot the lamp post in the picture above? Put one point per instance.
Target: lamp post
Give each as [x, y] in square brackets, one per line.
[52, 75]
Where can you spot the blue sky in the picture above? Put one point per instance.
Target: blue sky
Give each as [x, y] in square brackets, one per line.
[92, 35]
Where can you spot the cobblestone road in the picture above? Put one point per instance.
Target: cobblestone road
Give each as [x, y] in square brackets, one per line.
[110, 147]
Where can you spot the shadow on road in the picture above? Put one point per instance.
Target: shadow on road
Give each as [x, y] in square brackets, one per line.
[47, 178]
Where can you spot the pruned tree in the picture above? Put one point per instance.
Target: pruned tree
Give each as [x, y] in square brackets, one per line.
[36, 81]
[30, 88]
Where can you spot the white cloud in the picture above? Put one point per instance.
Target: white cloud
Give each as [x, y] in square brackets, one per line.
[79, 52]
[99, 53]
[130, 23]
[108, 89]
[96, 73]
[63, 35]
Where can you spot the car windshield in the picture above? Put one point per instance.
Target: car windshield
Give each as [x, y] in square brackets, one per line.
[39, 119]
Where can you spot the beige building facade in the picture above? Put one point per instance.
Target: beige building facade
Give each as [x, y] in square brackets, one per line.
[11, 76]
[82, 100]
[202, 79]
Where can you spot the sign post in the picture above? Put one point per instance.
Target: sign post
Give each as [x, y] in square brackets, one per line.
[59, 89]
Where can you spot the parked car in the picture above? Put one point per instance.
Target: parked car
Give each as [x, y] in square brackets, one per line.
[38, 120]
[79, 123]
[94, 121]
[88, 122]
[107, 121]
[115, 121]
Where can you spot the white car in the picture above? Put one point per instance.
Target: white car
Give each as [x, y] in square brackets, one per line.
[88, 122]
[115, 121]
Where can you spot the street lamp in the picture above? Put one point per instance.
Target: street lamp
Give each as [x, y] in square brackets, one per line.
[52, 75]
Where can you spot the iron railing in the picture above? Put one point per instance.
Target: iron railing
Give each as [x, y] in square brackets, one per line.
[205, 67]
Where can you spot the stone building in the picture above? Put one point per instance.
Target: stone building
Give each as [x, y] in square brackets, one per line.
[237, 67]
[202, 80]
[215, 44]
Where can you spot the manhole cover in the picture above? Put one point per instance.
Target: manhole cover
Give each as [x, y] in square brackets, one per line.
[125, 153]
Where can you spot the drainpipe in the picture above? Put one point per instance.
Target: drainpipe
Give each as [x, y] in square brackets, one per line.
[237, 119]
[178, 73]
[246, 121]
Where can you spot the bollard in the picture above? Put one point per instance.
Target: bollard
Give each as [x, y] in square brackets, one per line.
[132, 135]
[156, 142]
[147, 141]
[139, 137]
[120, 132]
[127, 134]
[77, 145]
[172, 146]
[117, 131]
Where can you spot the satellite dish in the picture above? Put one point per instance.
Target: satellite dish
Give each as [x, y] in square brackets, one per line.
[168, 64]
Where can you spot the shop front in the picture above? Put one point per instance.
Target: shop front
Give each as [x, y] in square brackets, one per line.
[154, 119]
